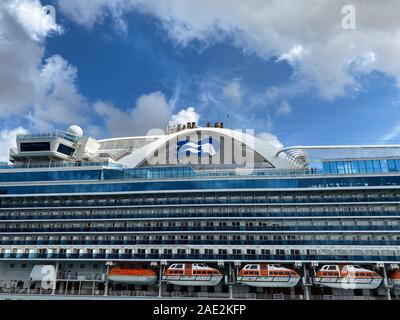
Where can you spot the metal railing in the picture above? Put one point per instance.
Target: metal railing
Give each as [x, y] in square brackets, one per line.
[65, 229]
[143, 202]
[34, 165]
[55, 133]
[90, 293]
[256, 213]
[201, 242]
[204, 257]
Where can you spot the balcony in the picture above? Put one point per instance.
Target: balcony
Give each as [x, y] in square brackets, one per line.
[212, 257]
[282, 228]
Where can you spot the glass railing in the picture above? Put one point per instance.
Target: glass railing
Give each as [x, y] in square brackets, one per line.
[33, 229]
[55, 133]
[34, 165]
[184, 202]
[210, 185]
[203, 215]
[210, 257]
[190, 171]
[202, 242]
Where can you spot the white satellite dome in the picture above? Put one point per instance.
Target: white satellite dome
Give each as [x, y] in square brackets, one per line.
[75, 130]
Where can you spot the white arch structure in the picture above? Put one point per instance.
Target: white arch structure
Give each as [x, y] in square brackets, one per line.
[261, 147]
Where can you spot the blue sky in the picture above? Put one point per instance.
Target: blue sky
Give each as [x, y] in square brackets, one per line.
[102, 62]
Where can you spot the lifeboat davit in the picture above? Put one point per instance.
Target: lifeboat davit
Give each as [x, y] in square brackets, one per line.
[267, 275]
[132, 276]
[347, 277]
[395, 277]
[192, 274]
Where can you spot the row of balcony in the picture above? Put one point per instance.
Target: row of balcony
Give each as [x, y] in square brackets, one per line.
[32, 229]
[200, 242]
[203, 215]
[199, 257]
[183, 201]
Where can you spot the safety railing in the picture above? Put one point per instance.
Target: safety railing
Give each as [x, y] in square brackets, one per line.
[255, 213]
[200, 242]
[147, 203]
[310, 228]
[100, 294]
[205, 257]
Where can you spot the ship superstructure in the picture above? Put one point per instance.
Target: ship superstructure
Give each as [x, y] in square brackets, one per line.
[81, 217]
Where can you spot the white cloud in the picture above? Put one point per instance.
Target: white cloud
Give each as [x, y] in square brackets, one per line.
[88, 13]
[365, 61]
[270, 138]
[44, 92]
[232, 91]
[186, 115]
[294, 54]
[32, 16]
[59, 100]
[277, 28]
[150, 112]
[393, 133]
[284, 108]
[7, 141]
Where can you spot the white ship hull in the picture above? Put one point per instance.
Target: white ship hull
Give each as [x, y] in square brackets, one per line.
[193, 280]
[269, 282]
[349, 283]
[139, 280]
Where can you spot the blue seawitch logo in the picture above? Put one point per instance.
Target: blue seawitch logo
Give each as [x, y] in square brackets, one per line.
[203, 147]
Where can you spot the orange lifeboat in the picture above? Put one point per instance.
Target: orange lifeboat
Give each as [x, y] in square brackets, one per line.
[132, 276]
[395, 277]
[192, 274]
[347, 277]
[267, 275]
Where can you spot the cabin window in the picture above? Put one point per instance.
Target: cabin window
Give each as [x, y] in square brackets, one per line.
[62, 148]
[35, 146]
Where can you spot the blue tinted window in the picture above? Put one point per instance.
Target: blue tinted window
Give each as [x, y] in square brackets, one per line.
[333, 166]
[377, 166]
[62, 148]
[206, 185]
[370, 166]
[50, 175]
[361, 166]
[397, 164]
[384, 166]
[391, 165]
[354, 167]
[326, 167]
[347, 167]
[340, 167]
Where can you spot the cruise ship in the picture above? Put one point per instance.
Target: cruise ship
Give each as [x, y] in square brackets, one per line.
[198, 212]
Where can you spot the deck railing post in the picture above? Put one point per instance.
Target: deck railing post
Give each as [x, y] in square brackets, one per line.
[305, 284]
[386, 283]
[53, 291]
[108, 264]
[161, 272]
[230, 282]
